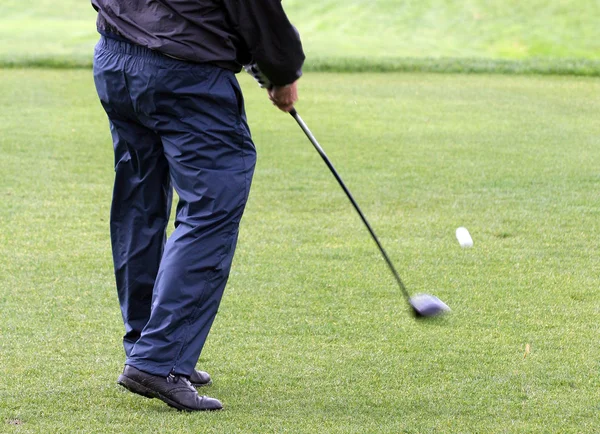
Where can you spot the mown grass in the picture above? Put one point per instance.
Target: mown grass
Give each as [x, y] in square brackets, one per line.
[497, 29]
[312, 333]
[538, 36]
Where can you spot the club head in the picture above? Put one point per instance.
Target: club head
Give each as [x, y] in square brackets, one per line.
[427, 306]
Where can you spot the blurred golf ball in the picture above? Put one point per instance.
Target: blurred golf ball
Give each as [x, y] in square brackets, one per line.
[464, 238]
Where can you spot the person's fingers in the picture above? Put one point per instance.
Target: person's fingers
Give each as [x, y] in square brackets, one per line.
[284, 97]
[288, 99]
[285, 105]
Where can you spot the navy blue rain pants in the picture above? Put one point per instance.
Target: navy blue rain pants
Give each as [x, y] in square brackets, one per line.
[182, 125]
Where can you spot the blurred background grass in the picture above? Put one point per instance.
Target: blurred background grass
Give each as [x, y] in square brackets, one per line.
[506, 36]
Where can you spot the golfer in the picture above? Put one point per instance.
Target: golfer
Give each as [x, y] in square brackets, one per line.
[165, 75]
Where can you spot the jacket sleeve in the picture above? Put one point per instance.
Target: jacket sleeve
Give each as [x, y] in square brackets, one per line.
[273, 43]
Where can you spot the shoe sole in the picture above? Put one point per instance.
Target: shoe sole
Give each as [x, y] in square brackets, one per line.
[140, 389]
[201, 384]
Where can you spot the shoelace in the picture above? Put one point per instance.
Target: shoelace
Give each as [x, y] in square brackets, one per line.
[177, 378]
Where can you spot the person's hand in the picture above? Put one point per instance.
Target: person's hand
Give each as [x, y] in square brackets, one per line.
[284, 97]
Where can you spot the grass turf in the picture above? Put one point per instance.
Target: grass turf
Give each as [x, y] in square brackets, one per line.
[312, 333]
[508, 36]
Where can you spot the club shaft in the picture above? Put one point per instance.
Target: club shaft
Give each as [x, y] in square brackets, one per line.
[323, 155]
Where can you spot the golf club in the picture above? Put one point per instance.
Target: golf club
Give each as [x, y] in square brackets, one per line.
[422, 305]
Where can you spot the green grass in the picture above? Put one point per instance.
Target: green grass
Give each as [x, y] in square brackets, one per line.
[556, 37]
[48, 32]
[506, 29]
[312, 333]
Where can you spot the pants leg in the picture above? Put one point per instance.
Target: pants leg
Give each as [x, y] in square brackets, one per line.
[141, 200]
[211, 158]
[139, 216]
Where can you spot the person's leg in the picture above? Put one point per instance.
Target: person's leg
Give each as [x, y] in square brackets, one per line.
[125, 79]
[211, 156]
[141, 200]
[139, 216]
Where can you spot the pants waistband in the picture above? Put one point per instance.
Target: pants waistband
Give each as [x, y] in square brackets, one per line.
[121, 46]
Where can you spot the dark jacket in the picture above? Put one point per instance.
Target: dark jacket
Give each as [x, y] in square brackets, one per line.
[228, 33]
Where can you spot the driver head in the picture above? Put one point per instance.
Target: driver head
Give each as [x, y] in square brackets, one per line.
[425, 306]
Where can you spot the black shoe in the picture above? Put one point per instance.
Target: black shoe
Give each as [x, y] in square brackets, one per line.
[200, 378]
[175, 390]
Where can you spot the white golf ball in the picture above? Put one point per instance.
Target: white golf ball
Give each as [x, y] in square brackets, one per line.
[464, 238]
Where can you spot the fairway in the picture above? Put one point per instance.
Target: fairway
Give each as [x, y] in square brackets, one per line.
[313, 335]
